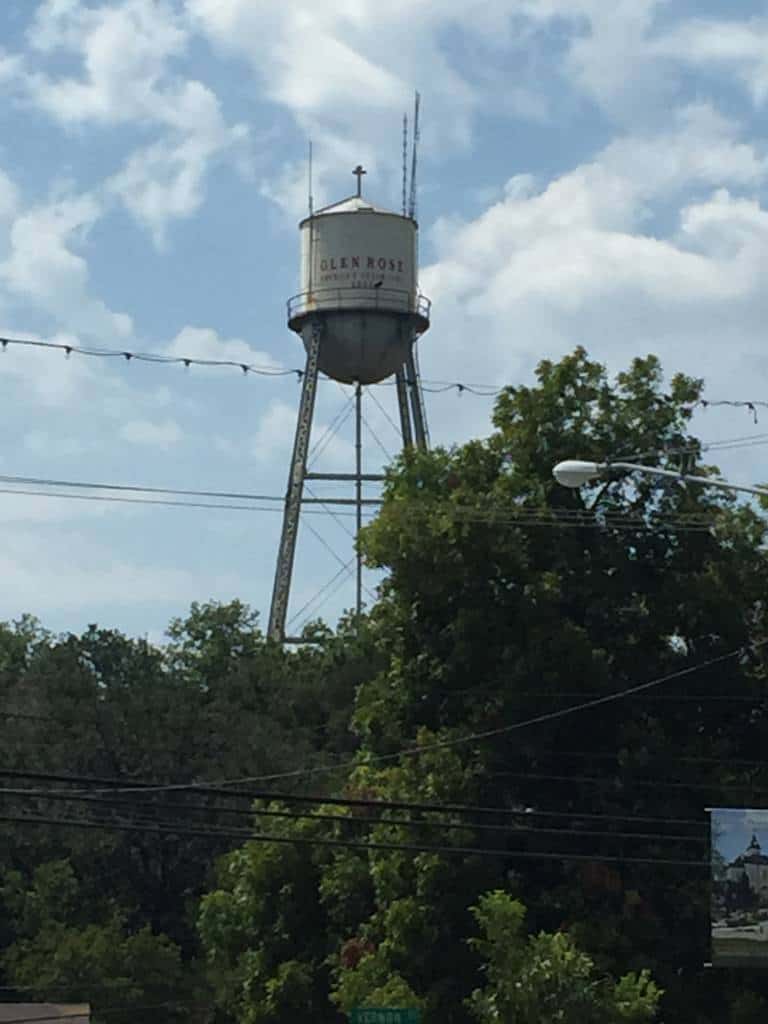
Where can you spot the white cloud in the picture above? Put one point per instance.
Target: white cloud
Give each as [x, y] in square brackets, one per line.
[156, 435]
[10, 66]
[205, 343]
[617, 255]
[43, 268]
[346, 71]
[43, 442]
[126, 50]
[49, 377]
[8, 197]
[609, 60]
[274, 437]
[165, 180]
[737, 47]
[70, 573]
[24, 509]
[273, 440]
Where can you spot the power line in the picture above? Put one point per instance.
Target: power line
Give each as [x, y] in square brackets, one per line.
[428, 385]
[157, 501]
[520, 518]
[345, 570]
[629, 783]
[473, 737]
[563, 755]
[137, 488]
[500, 730]
[696, 448]
[387, 454]
[549, 755]
[334, 588]
[385, 414]
[117, 786]
[511, 828]
[248, 836]
[332, 429]
[151, 357]
[332, 513]
[335, 554]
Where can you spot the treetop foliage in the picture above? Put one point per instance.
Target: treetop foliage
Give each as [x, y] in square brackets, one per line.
[506, 597]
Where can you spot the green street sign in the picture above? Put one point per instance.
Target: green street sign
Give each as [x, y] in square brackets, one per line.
[376, 1015]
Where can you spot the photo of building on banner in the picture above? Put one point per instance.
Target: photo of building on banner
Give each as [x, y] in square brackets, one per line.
[739, 905]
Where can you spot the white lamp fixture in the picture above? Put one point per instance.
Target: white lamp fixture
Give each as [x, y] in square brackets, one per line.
[575, 473]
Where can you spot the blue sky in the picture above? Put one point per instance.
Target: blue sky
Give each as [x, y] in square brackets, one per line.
[733, 830]
[590, 173]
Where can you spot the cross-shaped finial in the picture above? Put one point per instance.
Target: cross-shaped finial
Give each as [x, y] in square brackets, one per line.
[359, 172]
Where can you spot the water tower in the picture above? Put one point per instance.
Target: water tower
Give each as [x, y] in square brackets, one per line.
[359, 313]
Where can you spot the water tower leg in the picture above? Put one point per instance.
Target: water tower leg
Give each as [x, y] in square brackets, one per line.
[287, 549]
[417, 405]
[402, 401]
[359, 494]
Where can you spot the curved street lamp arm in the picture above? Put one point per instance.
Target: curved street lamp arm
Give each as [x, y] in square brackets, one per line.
[704, 481]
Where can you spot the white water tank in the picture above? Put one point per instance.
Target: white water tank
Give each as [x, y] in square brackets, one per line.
[359, 277]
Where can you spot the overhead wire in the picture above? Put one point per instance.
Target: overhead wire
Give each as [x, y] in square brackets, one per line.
[149, 357]
[331, 430]
[385, 414]
[346, 569]
[333, 513]
[452, 742]
[429, 385]
[158, 502]
[695, 448]
[137, 488]
[377, 845]
[115, 802]
[545, 518]
[610, 781]
[642, 757]
[387, 454]
[117, 786]
[143, 501]
[333, 590]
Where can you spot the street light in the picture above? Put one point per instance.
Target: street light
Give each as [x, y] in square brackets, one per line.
[575, 473]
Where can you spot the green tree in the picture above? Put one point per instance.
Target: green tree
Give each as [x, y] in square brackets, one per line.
[88, 953]
[217, 700]
[503, 592]
[509, 597]
[545, 979]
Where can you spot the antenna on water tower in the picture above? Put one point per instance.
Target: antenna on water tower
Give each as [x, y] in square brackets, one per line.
[309, 175]
[412, 199]
[358, 314]
[405, 164]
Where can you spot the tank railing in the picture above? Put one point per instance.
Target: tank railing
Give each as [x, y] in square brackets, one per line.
[389, 299]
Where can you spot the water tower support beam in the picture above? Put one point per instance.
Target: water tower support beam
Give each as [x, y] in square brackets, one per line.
[414, 389]
[293, 498]
[359, 494]
[402, 402]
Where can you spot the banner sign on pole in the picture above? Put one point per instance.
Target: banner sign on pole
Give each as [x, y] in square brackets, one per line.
[739, 903]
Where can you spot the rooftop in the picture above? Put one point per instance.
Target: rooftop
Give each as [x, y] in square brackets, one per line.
[79, 1013]
[354, 204]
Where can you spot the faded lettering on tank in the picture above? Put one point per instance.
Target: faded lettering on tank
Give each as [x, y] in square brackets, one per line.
[363, 271]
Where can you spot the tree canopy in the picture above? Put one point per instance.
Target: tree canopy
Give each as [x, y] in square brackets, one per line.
[526, 728]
